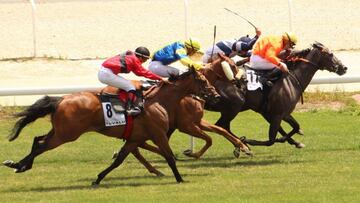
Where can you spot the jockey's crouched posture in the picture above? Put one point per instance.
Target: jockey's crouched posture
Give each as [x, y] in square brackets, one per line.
[231, 48]
[172, 53]
[125, 63]
[266, 53]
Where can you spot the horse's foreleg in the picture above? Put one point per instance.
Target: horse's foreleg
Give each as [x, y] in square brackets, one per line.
[123, 153]
[144, 162]
[151, 148]
[195, 131]
[155, 149]
[204, 125]
[287, 137]
[225, 119]
[162, 142]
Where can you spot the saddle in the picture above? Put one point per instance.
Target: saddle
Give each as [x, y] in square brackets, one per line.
[265, 77]
[119, 100]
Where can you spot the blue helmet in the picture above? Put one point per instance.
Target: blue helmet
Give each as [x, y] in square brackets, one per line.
[245, 39]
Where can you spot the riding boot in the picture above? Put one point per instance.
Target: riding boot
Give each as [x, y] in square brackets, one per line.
[270, 77]
[131, 109]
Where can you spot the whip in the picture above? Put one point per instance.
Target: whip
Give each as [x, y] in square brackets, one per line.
[212, 51]
[233, 12]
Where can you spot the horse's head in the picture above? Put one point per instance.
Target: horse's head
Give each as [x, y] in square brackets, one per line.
[197, 84]
[327, 60]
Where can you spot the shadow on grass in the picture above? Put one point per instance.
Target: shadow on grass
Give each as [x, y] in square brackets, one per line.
[226, 162]
[108, 183]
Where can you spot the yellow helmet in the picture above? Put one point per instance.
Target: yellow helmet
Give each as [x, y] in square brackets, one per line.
[192, 43]
[291, 37]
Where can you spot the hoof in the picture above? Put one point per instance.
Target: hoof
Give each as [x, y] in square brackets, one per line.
[94, 184]
[188, 152]
[159, 174]
[114, 155]
[248, 152]
[236, 152]
[300, 132]
[10, 164]
[300, 145]
[22, 169]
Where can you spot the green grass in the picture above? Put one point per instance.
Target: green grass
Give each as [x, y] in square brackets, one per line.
[326, 170]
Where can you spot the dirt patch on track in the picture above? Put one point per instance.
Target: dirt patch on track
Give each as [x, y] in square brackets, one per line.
[356, 97]
[319, 105]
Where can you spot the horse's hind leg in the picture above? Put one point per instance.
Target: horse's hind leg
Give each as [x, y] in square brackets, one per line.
[144, 162]
[204, 125]
[40, 145]
[123, 153]
[27, 162]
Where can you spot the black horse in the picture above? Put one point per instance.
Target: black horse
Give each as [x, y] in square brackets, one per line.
[277, 104]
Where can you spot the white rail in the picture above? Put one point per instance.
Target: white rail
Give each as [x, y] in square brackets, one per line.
[72, 89]
[44, 90]
[335, 80]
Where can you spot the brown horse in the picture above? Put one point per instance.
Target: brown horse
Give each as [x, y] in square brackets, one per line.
[72, 115]
[189, 119]
[280, 101]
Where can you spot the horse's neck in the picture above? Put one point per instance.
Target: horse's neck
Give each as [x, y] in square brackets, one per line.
[210, 75]
[169, 95]
[306, 70]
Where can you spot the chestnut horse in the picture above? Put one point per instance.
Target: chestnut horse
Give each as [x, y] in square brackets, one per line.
[189, 119]
[72, 115]
[280, 101]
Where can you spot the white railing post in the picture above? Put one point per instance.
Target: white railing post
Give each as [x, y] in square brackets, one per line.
[186, 4]
[33, 8]
[290, 15]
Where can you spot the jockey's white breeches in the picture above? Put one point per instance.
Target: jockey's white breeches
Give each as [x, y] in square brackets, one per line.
[107, 77]
[207, 55]
[259, 63]
[162, 70]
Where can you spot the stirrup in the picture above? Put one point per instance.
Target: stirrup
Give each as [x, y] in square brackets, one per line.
[266, 82]
[133, 111]
[118, 108]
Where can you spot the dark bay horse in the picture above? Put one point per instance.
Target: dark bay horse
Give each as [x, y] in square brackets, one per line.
[281, 100]
[72, 115]
[232, 95]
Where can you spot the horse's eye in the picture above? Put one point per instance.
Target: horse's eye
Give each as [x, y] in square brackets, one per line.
[331, 54]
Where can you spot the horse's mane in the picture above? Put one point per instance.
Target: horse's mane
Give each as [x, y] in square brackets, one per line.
[172, 79]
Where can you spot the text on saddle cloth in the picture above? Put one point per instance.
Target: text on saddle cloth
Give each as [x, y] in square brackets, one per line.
[253, 82]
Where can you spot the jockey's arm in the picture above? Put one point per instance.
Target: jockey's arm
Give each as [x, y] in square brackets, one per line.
[186, 61]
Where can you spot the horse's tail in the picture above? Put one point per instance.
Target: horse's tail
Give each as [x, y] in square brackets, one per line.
[40, 108]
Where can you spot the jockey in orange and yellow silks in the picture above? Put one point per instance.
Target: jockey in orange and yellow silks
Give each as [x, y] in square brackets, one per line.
[177, 51]
[265, 53]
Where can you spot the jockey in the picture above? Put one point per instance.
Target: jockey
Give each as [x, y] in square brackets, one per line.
[230, 48]
[172, 53]
[266, 51]
[125, 63]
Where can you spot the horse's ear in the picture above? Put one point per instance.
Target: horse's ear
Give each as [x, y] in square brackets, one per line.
[192, 69]
[318, 45]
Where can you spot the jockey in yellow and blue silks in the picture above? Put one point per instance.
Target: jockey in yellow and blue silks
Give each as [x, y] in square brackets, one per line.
[177, 51]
